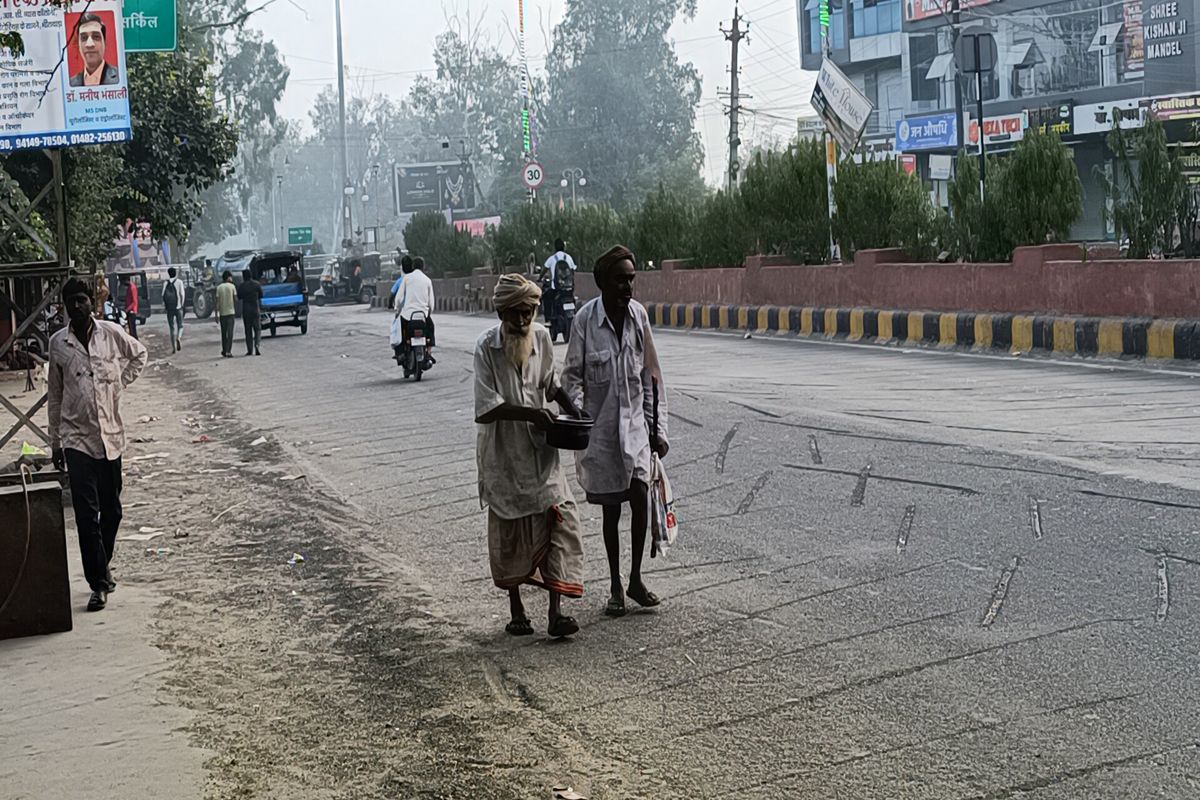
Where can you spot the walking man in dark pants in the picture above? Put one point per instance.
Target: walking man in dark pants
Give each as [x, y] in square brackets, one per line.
[250, 293]
[91, 363]
[226, 310]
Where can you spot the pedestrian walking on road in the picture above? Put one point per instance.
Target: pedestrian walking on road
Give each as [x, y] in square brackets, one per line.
[610, 371]
[129, 295]
[91, 363]
[226, 309]
[174, 295]
[251, 294]
[533, 526]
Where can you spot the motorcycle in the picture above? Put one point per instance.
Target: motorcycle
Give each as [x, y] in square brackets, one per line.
[415, 353]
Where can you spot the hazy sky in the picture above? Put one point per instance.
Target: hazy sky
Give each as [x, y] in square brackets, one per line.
[389, 42]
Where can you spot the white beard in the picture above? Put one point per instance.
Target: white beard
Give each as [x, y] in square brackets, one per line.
[518, 345]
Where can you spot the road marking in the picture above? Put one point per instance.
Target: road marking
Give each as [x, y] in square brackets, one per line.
[905, 528]
[748, 500]
[724, 450]
[1035, 517]
[814, 449]
[860, 488]
[1164, 589]
[1000, 593]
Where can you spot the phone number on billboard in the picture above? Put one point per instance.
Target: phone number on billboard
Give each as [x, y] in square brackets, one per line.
[63, 139]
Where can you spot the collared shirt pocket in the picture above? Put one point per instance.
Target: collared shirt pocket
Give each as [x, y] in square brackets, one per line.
[599, 368]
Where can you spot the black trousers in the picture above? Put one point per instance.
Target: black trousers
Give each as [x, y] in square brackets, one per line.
[132, 324]
[253, 325]
[96, 497]
[227, 334]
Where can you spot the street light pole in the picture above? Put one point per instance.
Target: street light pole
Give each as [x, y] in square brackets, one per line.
[574, 177]
[347, 231]
[282, 220]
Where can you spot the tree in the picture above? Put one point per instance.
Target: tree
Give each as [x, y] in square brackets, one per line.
[880, 205]
[784, 194]
[619, 103]
[250, 78]
[1040, 191]
[1146, 190]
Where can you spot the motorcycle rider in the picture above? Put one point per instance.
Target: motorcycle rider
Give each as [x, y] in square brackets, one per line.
[551, 269]
[415, 296]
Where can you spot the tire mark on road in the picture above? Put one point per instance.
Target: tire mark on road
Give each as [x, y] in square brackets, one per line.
[723, 452]
[943, 737]
[905, 528]
[1164, 589]
[1000, 593]
[1056, 778]
[755, 410]
[678, 464]
[860, 489]
[911, 481]
[755, 576]
[814, 449]
[1035, 517]
[1163, 503]
[845, 587]
[702, 492]
[894, 674]
[1019, 469]
[692, 680]
[682, 418]
[850, 435]
[751, 495]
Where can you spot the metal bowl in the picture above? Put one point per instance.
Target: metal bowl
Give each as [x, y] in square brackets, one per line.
[568, 433]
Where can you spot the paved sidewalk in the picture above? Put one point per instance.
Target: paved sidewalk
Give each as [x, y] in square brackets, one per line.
[88, 707]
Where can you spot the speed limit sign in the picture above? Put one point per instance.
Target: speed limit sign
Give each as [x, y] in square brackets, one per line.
[533, 175]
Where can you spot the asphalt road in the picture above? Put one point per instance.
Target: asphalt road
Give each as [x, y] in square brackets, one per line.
[901, 574]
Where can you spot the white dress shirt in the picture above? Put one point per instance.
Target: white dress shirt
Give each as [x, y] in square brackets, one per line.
[561, 255]
[415, 295]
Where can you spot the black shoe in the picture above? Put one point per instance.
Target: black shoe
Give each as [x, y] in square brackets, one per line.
[256, 352]
[249, 353]
[97, 601]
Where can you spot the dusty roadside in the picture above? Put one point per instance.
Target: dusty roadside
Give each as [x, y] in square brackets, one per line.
[311, 661]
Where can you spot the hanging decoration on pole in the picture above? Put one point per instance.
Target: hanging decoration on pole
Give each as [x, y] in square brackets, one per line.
[526, 122]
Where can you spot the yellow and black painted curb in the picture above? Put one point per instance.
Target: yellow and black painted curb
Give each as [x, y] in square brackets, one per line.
[1017, 333]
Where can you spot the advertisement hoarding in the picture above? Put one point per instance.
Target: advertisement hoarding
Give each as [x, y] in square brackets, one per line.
[1100, 117]
[447, 186]
[917, 10]
[843, 107]
[930, 132]
[477, 227]
[1181, 106]
[70, 87]
[999, 130]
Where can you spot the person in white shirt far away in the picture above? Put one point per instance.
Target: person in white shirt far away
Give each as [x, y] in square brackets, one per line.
[415, 296]
[174, 297]
[550, 268]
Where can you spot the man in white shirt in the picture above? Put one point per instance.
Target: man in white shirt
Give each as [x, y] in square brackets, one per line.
[551, 268]
[174, 297]
[415, 296]
[91, 363]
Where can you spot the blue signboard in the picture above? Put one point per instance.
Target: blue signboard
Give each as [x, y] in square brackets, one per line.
[931, 132]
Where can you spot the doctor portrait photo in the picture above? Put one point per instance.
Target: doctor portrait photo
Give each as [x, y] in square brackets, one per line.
[92, 58]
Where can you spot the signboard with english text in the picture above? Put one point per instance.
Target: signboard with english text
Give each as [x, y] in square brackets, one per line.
[842, 105]
[70, 87]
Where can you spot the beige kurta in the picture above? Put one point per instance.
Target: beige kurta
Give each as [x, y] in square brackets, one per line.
[610, 378]
[533, 529]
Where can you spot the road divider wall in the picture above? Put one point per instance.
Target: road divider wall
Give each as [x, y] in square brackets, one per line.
[1013, 333]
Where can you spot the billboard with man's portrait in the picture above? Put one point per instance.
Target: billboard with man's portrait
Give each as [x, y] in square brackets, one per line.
[70, 86]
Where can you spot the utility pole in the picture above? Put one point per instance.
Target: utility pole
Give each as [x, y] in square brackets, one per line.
[955, 18]
[734, 36]
[347, 234]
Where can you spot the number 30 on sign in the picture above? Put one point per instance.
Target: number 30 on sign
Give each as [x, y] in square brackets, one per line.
[533, 175]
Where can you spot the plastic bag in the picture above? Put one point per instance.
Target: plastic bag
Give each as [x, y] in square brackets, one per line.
[664, 525]
[397, 336]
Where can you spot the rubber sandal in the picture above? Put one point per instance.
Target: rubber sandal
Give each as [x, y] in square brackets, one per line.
[615, 607]
[519, 627]
[643, 597]
[563, 626]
